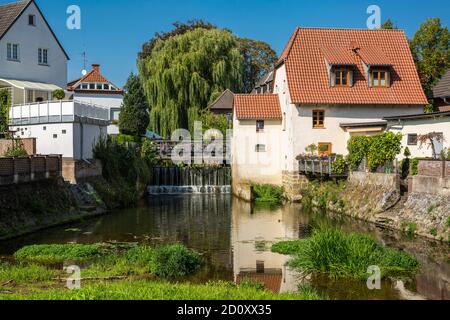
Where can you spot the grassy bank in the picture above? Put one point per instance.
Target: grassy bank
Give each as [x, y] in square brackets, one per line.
[341, 255]
[122, 272]
[154, 290]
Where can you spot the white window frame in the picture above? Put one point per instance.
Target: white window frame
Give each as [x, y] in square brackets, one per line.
[10, 52]
[43, 56]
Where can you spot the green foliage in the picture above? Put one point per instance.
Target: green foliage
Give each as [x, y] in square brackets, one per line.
[149, 152]
[389, 25]
[174, 261]
[268, 194]
[23, 273]
[125, 138]
[414, 167]
[431, 50]
[57, 253]
[216, 122]
[5, 104]
[448, 222]
[185, 72]
[429, 108]
[340, 165]
[134, 117]
[322, 195]
[312, 149]
[341, 255]
[15, 150]
[358, 148]
[259, 59]
[433, 207]
[59, 94]
[125, 171]
[434, 232]
[157, 290]
[410, 228]
[407, 152]
[378, 150]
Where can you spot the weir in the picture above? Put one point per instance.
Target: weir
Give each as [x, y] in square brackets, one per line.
[187, 180]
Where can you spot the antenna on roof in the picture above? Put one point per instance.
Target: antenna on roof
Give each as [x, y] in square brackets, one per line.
[84, 71]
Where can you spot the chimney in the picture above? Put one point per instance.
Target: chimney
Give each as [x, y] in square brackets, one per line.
[96, 67]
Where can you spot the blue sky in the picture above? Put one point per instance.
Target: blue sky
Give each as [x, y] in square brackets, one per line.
[113, 30]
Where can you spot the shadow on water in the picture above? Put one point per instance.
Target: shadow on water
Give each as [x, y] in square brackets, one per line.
[235, 239]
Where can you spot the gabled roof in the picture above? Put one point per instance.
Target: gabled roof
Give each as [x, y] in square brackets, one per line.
[93, 76]
[257, 106]
[224, 101]
[442, 89]
[9, 13]
[307, 70]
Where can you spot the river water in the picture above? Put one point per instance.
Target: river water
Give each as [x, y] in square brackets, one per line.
[234, 238]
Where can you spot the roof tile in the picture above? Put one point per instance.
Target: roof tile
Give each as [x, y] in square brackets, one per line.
[257, 106]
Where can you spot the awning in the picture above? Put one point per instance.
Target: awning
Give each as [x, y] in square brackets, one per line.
[357, 127]
[28, 85]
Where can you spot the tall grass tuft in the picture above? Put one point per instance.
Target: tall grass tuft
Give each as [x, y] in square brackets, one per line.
[57, 253]
[269, 194]
[340, 255]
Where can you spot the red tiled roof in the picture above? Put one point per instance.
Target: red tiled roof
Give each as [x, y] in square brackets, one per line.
[257, 106]
[308, 76]
[94, 76]
[338, 56]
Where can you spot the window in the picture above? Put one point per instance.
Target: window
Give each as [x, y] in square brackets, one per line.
[84, 86]
[342, 77]
[106, 86]
[92, 86]
[55, 136]
[64, 132]
[43, 56]
[380, 78]
[412, 139]
[44, 128]
[99, 86]
[318, 119]
[12, 52]
[260, 148]
[31, 20]
[260, 126]
[325, 148]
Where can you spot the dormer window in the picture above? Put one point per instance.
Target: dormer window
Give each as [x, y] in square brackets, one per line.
[342, 77]
[380, 78]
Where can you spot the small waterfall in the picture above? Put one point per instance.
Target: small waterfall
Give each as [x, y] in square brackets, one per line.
[184, 180]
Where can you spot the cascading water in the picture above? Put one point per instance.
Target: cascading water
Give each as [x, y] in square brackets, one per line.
[185, 180]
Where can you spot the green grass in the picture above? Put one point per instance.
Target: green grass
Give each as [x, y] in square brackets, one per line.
[410, 228]
[268, 194]
[57, 253]
[434, 232]
[21, 274]
[448, 222]
[152, 290]
[432, 208]
[341, 255]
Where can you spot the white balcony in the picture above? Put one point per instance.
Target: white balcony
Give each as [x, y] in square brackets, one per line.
[57, 112]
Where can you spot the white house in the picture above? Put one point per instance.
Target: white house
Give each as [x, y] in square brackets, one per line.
[330, 84]
[95, 89]
[413, 126]
[33, 64]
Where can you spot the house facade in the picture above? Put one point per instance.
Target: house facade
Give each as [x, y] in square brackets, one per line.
[33, 64]
[441, 93]
[331, 84]
[95, 89]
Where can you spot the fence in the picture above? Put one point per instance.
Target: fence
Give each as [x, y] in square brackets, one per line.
[319, 166]
[27, 169]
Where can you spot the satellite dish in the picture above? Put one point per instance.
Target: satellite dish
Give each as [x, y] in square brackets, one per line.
[84, 72]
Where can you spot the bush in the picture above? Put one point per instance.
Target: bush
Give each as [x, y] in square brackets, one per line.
[268, 194]
[16, 151]
[174, 261]
[341, 255]
[5, 104]
[414, 167]
[358, 148]
[59, 94]
[340, 165]
[57, 253]
[320, 195]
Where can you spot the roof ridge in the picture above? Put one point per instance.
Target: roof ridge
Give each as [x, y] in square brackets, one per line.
[350, 29]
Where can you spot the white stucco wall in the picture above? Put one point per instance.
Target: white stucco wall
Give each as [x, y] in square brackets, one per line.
[67, 144]
[420, 127]
[30, 39]
[250, 166]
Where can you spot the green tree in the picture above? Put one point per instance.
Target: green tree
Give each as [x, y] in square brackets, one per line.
[185, 73]
[259, 59]
[5, 103]
[389, 25]
[431, 50]
[134, 117]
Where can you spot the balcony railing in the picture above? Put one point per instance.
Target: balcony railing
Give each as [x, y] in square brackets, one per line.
[55, 112]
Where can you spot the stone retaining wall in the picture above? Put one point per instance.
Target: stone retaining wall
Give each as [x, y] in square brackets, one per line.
[294, 183]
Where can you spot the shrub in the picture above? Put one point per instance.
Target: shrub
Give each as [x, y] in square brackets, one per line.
[149, 152]
[174, 261]
[57, 253]
[358, 148]
[340, 165]
[5, 104]
[59, 94]
[15, 150]
[341, 255]
[414, 167]
[383, 149]
[268, 194]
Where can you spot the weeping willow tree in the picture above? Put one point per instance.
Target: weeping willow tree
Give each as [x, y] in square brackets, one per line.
[185, 73]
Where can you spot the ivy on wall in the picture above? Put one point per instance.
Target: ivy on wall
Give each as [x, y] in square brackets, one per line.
[5, 103]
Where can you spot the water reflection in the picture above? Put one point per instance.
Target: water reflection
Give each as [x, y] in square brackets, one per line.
[235, 239]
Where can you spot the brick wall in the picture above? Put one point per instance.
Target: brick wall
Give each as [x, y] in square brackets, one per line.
[74, 171]
[28, 144]
[431, 168]
[26, 169]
